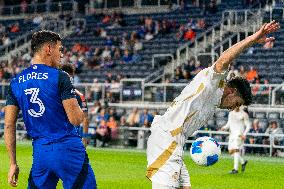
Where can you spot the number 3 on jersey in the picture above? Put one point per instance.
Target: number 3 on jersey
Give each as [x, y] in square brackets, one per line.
[35, 100]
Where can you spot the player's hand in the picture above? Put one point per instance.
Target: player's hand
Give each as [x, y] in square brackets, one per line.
[13, 175]
[85, 141]
[261, 35]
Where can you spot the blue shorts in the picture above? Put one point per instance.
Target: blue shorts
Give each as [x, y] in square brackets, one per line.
[66, 160]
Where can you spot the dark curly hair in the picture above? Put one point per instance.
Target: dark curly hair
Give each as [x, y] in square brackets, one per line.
[243, 88]
[69, 68]
[41, 37]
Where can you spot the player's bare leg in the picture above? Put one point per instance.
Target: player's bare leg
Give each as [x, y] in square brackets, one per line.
[185, 187]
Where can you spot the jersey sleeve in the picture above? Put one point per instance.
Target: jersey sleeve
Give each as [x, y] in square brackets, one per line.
[247, 123]
[81, 101]
[216, 79]
[10, 98]
[227, 126]
[66, 89]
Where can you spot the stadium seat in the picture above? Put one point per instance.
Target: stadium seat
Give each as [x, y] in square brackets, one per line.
[221, 114]
[273, 115]
[221, 122]
[263, 123]
[260, 115]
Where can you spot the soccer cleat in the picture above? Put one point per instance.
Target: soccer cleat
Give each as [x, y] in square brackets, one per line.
[234, 171]
[244, 165]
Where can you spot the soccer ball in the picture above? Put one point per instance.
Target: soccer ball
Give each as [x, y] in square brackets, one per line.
[205, 151]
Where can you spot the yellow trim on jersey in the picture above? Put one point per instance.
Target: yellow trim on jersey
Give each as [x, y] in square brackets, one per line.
[221, 84]
[178, 130]
[199, 89]
[161, 160]
[173, 103]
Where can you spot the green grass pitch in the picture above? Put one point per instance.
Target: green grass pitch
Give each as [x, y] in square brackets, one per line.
[125, 169]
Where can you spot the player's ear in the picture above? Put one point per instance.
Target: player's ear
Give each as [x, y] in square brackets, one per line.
[49, 49]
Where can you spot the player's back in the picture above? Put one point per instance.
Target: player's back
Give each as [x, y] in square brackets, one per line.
[237, 122]
[39, 91]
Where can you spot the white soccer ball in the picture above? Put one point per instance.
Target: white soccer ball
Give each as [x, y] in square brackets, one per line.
[205, 151]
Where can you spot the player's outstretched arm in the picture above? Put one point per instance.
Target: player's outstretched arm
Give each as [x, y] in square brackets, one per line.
[11, 114]
[223, 63]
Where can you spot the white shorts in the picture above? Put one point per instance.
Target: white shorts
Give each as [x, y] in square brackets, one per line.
[165, 163]
[235, 143]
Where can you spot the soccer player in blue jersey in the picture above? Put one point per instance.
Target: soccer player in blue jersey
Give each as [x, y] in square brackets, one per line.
[70, 69]
[51, 114]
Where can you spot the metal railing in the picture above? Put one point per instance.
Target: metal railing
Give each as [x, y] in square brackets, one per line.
[55, 25]
[38, 8]
[136, 90]
[141, 136]
[109, 4]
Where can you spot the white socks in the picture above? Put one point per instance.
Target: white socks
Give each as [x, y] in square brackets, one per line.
[237, 158]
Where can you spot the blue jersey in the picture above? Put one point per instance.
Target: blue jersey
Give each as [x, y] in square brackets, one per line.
[39, 91]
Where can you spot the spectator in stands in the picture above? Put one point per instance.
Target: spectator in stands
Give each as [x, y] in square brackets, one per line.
[126, 58]
[133, 118]
[24, 6]
[191, 24]
[252, 75]
[37, 20]
[197, 69]
[190, 35]
[232, 73]
[103, 133]
[125, 45]
[107, 62]
[178, 74]
[242, 72]
[256, 88]
[112, 124]
[149, 36]
[103, 33]
[268, 45]
[181, 32]
[145, 118]
[112, 112]
[110, 77]
[106, 53]
[123, 122]
[255, 139]
[6, 40]
[15, 28]
[201, 23]
[96, 108]
[265, 90]
[165, 27]
[274, 129]
[109, 41]
[109, 98]
[189, 66]
[2, 113]
[106, 19]
[102, 116]
[137, 45]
